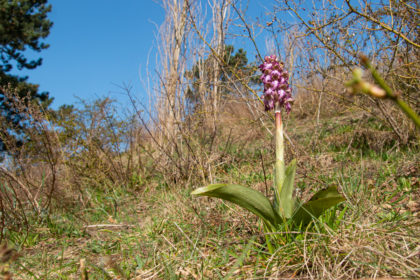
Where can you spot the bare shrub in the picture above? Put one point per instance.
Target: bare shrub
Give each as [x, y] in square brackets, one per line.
[95, 141]
[61, 156]
[29, 170]
[184, 124]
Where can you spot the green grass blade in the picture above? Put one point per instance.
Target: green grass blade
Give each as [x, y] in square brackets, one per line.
[250, 199]
[240, 260]
[320, 202]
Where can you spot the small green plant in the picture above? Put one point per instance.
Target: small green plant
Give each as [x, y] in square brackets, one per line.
[285, 209]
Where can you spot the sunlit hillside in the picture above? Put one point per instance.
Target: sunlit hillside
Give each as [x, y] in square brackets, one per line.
[323, 139]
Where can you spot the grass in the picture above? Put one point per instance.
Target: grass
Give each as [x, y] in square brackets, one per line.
[160, 232]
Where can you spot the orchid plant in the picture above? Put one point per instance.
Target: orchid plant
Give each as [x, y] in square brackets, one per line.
[284, 208]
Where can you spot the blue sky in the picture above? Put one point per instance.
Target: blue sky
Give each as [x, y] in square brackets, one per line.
[98, 45]
[94, 46]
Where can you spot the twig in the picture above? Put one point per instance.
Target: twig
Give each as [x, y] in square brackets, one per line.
[389, 93]
[27, 191]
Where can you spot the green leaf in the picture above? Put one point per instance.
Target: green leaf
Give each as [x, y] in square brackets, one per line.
[320, 202]
[287, 202]
[250, 199]
[278, 183]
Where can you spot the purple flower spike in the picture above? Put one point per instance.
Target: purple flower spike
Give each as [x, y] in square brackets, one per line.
[276, 84]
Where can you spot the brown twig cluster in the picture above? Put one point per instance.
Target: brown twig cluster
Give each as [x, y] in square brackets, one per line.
[61, 157]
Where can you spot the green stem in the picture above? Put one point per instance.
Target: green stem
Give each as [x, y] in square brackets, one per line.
[389, 93]
[408, 111]
[279, 163]
[279, 137]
